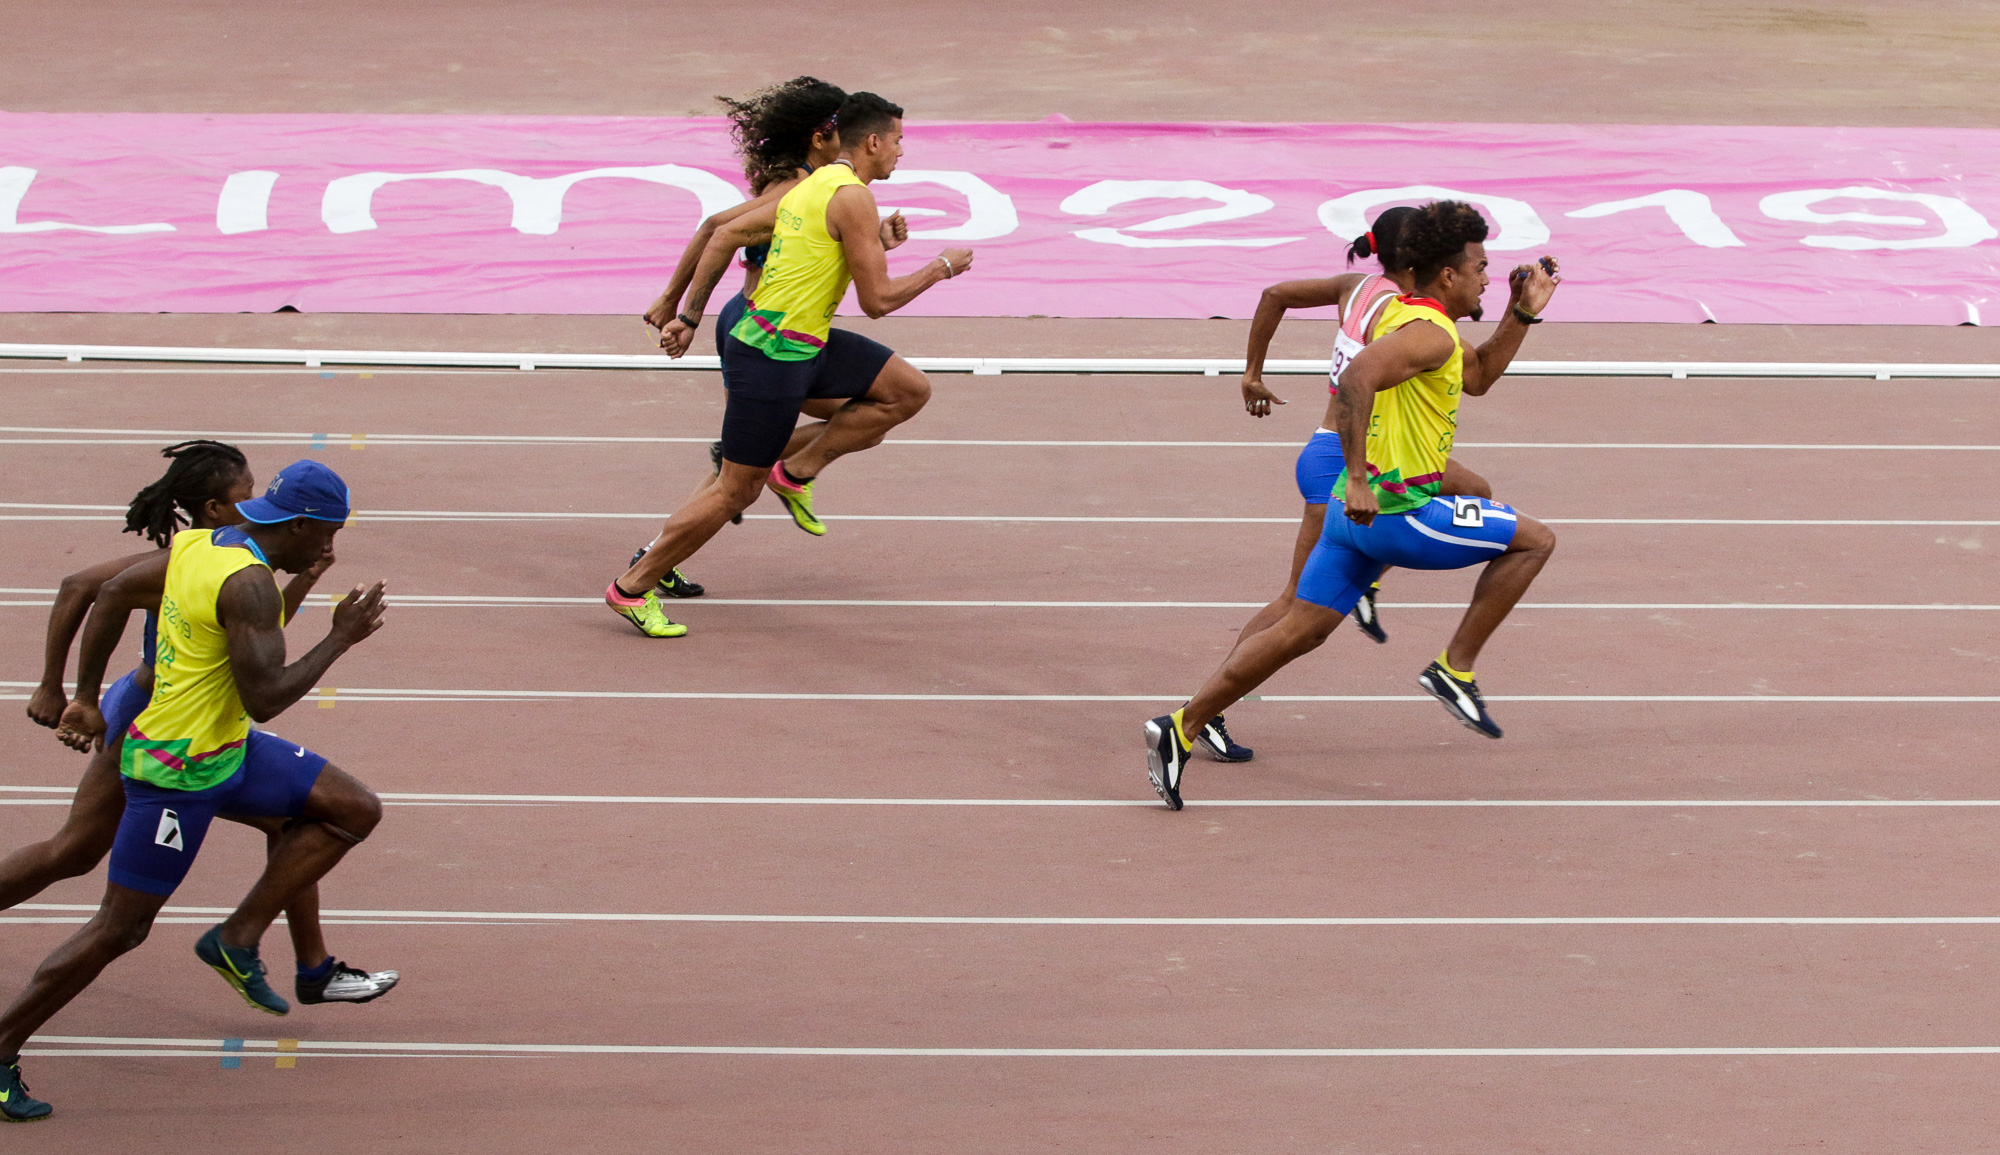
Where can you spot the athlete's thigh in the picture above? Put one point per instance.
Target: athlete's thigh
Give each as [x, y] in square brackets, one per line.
[1443, 533]
[1337, 572]
[853, 366]
[1311, 524]
[1462, 482]
[93, 816]
[278, 776]
[161, 832]
[1318, 467]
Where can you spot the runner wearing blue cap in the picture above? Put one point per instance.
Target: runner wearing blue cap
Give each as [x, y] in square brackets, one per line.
[191, 754]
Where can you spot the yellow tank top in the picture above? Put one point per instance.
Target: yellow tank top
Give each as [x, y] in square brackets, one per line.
[191, 734]
[805, 275]
[1410, 435]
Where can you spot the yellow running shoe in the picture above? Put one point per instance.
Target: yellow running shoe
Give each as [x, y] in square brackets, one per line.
[644, 613]
[798, 500]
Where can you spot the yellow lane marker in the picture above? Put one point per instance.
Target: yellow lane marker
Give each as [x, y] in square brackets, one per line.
[326, 697]
[288, 1062]
[357, 441]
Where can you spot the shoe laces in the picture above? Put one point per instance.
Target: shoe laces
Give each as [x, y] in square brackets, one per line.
[342, 971]
[15, 1070]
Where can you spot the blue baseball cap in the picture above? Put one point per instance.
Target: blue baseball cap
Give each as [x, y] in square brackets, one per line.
[301, 489]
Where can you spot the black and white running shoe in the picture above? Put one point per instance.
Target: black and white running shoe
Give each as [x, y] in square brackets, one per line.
[345, 984]
[675, 584]
[1215, 739]
[1364, 617]
[1166, 756]
[1461, 699]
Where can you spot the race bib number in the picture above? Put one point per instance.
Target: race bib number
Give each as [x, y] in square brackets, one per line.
[1345, 349]
[1466, 512]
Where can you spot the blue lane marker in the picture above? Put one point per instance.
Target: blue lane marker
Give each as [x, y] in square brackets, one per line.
[326, 376]
[318, 442]
[232, 1062]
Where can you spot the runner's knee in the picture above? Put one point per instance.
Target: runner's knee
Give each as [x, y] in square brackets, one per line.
[344, 806]
[901, 387]
[1533, 536]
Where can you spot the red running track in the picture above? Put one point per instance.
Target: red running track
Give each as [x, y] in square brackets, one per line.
[537, 924]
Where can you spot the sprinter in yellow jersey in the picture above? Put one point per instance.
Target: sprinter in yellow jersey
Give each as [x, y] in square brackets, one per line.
[1398, 414]
[191, 754]
[783, 349]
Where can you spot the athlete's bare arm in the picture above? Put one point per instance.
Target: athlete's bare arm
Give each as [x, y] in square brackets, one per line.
[73, 601]
[1271, 307]
[851, 219]
[1388, 361]
[247, 607]
[669, 303]
[137, 587]
[1530, 287]
[753, 226]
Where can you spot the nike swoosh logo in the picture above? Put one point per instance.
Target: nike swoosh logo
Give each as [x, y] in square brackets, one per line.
[6, 1095]
[301, 753]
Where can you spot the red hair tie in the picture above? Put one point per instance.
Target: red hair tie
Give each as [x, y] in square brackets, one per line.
[1370, 234]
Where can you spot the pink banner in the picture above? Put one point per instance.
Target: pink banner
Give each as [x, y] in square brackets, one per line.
[484, 214]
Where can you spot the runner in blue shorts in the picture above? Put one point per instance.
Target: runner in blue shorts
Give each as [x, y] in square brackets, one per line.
[199, 489]
[1397, 413]
[190, 753]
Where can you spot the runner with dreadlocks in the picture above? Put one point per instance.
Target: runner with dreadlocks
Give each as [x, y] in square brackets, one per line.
[199, 490]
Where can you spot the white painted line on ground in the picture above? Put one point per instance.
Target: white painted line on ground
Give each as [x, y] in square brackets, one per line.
[379, 694]
[531, 918]
[978, 366]
[316, 1048]
[434, 515]
[507, 601]
[64, 435]
[60, 796]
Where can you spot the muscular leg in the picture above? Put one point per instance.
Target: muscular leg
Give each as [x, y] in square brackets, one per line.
[694, 523]
[898, 392]
[1310, 524]
[83, 841]
[801, 437]
[1302, 629]
[119, 926]
[1505, 579]
[305, 852]
[302, 913]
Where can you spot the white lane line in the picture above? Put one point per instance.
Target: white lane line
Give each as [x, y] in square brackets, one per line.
[379, 694]
[531, 918]
[60, 796]
[508, 601]
[977, 366]
[211, 1048]
[381, 515]
[64, 435]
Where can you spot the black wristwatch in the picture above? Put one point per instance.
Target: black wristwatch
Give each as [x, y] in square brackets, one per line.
[1525, 317]
[695, 322]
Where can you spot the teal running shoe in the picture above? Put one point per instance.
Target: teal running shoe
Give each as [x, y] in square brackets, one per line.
[241, 969]
[16, 1105]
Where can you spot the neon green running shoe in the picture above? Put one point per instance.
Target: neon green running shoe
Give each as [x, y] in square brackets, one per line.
[644, 613]
[798, 501]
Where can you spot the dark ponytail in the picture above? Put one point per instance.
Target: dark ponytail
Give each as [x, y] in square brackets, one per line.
[1383, 240]
[202, 471]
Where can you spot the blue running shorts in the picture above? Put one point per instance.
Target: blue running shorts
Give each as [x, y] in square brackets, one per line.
[1320, 463]
[1444, 533]
[120, 704]
[162, 829]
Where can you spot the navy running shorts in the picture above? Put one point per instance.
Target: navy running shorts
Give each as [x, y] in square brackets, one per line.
[162, 829]
[1320, 463]
[1443, 533]
[765, 394]
[120, 704]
